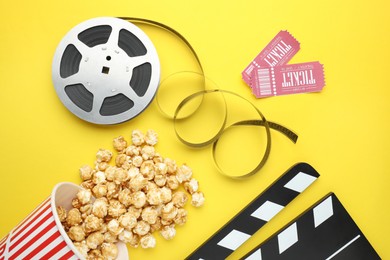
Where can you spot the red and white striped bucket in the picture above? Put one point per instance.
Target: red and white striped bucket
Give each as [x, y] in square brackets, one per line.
[41, 235]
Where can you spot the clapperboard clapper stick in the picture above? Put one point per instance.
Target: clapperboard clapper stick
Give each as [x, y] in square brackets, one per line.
[257, 213]
[325, 231]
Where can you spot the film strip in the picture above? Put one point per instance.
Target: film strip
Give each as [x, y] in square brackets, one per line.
[106, 71]
[257, 213]
[325, 231]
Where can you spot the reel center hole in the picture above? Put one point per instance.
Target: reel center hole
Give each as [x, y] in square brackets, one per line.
[105, 70]
[108, 58]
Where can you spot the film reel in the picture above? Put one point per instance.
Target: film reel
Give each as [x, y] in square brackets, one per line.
[106, 70]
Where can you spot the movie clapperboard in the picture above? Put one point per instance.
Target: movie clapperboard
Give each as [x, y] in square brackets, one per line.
[257, 213]
[325, 231]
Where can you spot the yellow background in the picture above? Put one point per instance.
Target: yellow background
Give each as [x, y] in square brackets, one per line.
[343, 131]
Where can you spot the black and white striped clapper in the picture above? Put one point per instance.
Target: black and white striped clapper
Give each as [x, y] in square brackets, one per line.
[255, 215]
[325, 231]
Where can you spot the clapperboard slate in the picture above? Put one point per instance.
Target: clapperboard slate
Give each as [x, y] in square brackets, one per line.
[257, 213]
[325, 231]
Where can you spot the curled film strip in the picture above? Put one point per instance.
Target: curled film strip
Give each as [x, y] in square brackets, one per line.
[257, 213]
[324, 231]
[106, 71]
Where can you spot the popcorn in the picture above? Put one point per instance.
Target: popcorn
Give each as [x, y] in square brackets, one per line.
[171, 165]
[124, 197]
[109, 251]
[172, 182]
[110, 172]
[184, 173]
[102, 166]
[197, 199]
[128, 221]
[100, 208]
[92, 223]
[120, 176]
[132, 150]
[156, 226]
[121, 159]
[95, 254]
[149, 214]
[168, 232]
[99, 190]
[103, 155]
[74, 217]
[133, 171]
[112, 190]
[82, 248]
[148, 241]
[76, 233]
[191, 186]
[76, 203]
[137, 161]
[166, 195]
[125, 236]
[86, 172]
[138, 199]
[127, 201]
[154, 197]
[119, 143]
[99, 177]
[142, 228]
[147, 169]
[137, 137]
[147, 152]
[85, 210]
[161, 168]
[160, 180]
[135, 241]
[136, 212]
[109, 237]
[61, 212]
[138, 182]
[158, 158]
[169, 211]
[179, 199]
[151, 137]
[114, 227]
[115, 208]
[87, 184]
[94, 240]
[181, 217]
[84, 196]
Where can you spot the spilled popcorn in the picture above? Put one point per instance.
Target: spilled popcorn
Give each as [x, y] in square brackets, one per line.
[129, 201]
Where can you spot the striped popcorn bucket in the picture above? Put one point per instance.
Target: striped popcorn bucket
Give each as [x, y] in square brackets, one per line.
[41, 235]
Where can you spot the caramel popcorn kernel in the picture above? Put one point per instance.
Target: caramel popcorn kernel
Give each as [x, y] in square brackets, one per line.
[61, 212]
[119, 143]
[142, 228]
[148, 241]
[137, 137]
[74, 217]
[94, 240]
[151, 137]
[197, 199]
[86, 172]
[76, 233]
[103, 155]
[168, 232]
[184, 173]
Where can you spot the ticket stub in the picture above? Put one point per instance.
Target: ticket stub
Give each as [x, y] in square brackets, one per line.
[278, 52]
[288, 79]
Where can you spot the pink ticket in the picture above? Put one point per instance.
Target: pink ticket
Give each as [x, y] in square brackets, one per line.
[278, 52]
[288, 79]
